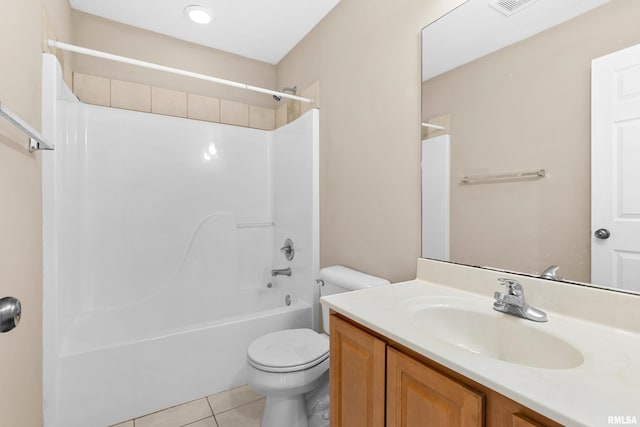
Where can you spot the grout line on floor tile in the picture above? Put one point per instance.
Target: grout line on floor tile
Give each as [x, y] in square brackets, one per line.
[210, 407]
[212, 411]
[170, 407]
[235, 407]
[197, 421]
[240, 406]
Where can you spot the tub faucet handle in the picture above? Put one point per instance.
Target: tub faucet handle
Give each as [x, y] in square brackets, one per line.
[288, 250]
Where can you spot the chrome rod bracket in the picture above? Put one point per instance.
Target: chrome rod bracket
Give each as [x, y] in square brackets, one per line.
[36, 141]
[35, 145]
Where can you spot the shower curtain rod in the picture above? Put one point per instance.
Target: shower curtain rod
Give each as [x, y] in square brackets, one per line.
[125, 60]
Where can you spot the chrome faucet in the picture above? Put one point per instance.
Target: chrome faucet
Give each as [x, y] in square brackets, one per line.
[512, 302]
[281, 272]
[551, 273]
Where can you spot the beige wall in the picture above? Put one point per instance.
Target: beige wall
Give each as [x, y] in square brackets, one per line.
[101, 34]
[21, 32]
[528, 107]
[366, 55]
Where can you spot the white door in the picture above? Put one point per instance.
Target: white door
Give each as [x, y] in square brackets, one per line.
[615, 170]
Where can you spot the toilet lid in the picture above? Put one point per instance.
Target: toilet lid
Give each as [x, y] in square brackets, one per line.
[288, 350]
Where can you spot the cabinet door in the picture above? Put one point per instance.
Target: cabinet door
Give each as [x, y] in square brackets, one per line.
[520, 420]
[356, 376]
[418, 396]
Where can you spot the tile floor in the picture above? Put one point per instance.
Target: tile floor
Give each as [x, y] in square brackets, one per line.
[238, 407]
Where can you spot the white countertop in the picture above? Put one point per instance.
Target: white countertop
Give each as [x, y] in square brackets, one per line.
[606, 384]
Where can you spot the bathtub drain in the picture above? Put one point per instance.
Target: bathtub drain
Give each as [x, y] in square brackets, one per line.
[287, 299]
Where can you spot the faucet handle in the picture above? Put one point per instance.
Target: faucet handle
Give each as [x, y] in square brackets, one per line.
[551, 273]
[513, 286]
[502, 299]
[288, 249]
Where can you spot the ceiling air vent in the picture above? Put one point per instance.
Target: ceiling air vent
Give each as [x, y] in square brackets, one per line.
[509, 7]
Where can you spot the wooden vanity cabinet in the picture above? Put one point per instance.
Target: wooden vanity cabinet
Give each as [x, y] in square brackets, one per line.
[376, 382]
[418, 395]
[519, 420]
[356, 376]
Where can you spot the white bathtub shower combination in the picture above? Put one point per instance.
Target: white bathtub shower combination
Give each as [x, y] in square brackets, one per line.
[160, 234]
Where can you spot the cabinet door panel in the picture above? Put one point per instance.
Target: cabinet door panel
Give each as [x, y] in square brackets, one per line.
[520, 420]
[418, 396]
[357, 375]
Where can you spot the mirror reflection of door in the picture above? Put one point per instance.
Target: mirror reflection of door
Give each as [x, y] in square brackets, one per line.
[615, 145]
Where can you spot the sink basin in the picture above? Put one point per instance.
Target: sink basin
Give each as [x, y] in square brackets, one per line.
[497, 335]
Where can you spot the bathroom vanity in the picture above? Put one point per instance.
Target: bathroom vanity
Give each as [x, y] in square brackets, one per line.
[432, 351]
[417, 390]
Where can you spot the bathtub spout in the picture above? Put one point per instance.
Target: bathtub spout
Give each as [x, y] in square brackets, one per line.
[281, 272]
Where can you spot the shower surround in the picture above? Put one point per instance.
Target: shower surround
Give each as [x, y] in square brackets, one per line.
[159, 237]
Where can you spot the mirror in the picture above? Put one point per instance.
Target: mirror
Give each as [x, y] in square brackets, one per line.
[511, 98]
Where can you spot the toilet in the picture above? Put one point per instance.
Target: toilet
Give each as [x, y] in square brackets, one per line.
[291, 367]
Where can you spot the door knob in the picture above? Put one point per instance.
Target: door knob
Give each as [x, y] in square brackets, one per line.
[602, 233]
[10, 312]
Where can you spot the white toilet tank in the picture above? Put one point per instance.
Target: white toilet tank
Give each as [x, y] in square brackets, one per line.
[338, 279]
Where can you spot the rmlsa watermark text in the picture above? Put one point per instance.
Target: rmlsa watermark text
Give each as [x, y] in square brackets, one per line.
[622, 419]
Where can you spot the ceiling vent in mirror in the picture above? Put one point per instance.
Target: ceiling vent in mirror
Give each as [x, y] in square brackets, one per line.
[509, 7]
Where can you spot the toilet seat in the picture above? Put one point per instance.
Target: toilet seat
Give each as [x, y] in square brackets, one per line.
[290, 350]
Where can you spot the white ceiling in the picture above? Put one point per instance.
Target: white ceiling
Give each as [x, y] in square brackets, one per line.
[476, 29]
[265, 30]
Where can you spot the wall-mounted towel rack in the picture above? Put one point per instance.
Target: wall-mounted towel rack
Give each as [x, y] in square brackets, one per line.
[430, 126]
[36, 141]
[477, 179]
[254, 224]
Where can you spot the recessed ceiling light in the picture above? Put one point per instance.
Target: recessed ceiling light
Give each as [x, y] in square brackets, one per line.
[199, 14]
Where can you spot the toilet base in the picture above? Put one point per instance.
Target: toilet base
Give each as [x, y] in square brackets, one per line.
[287, 411]
[318, 404]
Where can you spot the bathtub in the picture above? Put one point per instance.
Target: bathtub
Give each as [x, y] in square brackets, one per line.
[118, 376]
[159, 237]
